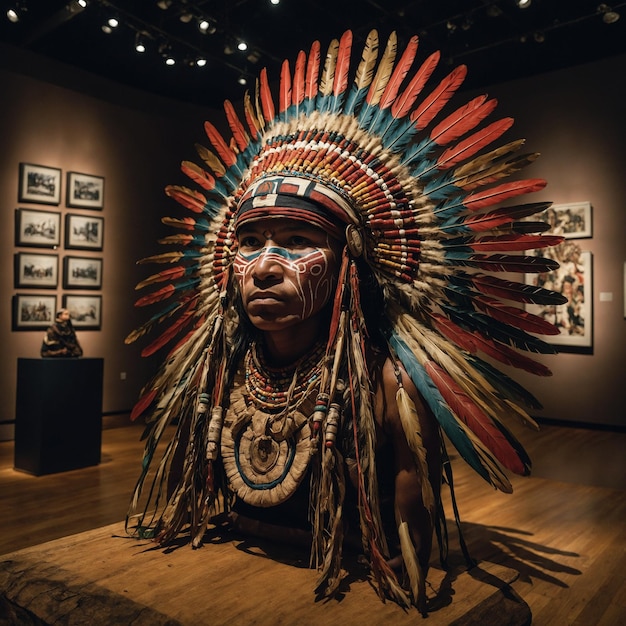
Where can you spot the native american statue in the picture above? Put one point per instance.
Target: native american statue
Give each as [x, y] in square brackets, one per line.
[333, 292]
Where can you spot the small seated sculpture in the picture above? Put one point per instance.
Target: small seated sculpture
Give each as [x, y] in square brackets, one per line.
[60, 340]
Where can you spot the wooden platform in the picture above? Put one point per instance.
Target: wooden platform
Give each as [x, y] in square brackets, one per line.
[102, 577]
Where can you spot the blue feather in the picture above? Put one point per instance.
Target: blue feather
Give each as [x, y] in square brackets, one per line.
[354, 100]
[399, 135]
[437, 404]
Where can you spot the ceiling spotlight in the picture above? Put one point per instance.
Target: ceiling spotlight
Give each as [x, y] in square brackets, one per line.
[16, 11]
[608, 15]
[539, 37]
[185, 17]
[242, 46]
[106, 29]
[205, 27]
[169, 60]
[164, 4]
[82, 3]
[274, 2]
[200, 61]
[140, 42]
[113, 22]
[523, 4]
[242, 79]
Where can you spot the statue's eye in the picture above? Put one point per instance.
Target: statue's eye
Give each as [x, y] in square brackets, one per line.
[299, 241]
[249, 242]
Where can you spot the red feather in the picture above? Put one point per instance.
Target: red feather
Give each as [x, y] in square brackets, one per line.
[157, 296]
[143, 403]
[189, 198]
[474, 418]
[267, 103]
[475, 142]
[171, 273]
[297, 92]
[512, 315]
[312, 71]
[430, 107]
[198, 175]
[239, 132]
[342, 66]
[171, 332]
[494, 195]
[455, 333]
[284, 97]
[508, 356]
[505, 215]
[229, 158]
[399, 74]
[185, 338]
[462, 120]
[405, 101]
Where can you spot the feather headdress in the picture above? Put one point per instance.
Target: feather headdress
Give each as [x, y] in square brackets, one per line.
[418, 189]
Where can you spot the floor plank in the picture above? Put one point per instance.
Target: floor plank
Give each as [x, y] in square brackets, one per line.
[561, 531]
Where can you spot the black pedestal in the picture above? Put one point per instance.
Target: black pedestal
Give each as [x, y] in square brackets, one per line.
[58, 422]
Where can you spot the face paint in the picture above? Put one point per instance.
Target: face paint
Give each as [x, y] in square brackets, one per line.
[286, 273]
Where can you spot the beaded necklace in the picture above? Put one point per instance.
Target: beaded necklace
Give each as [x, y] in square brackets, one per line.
[278, 388]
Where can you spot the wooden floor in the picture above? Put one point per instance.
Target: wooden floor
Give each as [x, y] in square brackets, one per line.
[563, 530]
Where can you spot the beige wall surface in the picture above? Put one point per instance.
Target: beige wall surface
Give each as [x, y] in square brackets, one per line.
[136, 143]
[61, 118]
[575, 119]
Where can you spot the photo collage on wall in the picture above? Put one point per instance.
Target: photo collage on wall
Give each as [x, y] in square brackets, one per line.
[58, 247]
[573, 278]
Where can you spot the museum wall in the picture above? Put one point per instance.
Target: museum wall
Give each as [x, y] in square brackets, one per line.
[52, 115]
[575, 119]
[136, 143]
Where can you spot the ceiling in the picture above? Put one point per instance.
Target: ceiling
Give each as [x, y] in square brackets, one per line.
[495, 38]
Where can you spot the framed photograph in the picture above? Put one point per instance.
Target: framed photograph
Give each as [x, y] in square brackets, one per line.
[573, 279]
[37, 229]
[82, 273]
[85, 191]
[36, 270]
[33, 311]
[572, 221]
[39, 184]
[83, 232]
[85, 311]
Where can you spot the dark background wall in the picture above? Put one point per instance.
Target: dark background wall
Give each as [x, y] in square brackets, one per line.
[54, 116]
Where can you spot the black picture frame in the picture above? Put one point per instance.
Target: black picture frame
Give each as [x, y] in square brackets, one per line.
[84, 232]
[82, 272]
[37, 229]
[85, 311]
[39, 184]
[36, 270]
[85, 191]
[33, 311]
